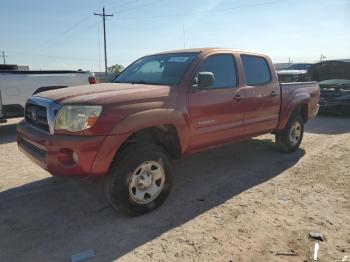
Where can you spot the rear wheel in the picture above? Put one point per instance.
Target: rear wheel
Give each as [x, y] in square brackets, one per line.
[290, 138]
[140, 180]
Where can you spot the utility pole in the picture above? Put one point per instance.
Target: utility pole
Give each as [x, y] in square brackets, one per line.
[4, 56]
[104, 36]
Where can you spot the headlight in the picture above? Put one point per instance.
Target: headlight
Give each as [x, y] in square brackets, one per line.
[77, 118]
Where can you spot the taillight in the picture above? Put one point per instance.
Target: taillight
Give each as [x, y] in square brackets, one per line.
[92, 80]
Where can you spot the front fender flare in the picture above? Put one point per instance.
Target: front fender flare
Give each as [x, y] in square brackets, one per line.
[155, 117]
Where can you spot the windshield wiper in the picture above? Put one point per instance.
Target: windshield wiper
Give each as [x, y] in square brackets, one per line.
[138, 82]
[145, 83]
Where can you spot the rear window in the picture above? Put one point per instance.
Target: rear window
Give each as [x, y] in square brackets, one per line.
[256, 70]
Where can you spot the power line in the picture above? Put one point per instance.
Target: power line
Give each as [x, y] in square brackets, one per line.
[122, 4]
[60, 35]
[201, 12]
[78, 23]
[63, 41]
[140, 6]
[104, 15]
[70, 58]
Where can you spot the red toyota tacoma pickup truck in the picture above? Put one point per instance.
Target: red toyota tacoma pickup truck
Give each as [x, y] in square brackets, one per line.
[159, 108]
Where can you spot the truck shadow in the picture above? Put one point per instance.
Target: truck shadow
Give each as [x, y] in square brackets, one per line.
[328, 124]
[7, 133]
[51, 219]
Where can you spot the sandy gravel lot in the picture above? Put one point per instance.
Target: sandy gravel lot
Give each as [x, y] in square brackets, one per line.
[242, 202]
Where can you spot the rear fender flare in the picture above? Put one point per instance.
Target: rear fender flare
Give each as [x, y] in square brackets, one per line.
[289, 108]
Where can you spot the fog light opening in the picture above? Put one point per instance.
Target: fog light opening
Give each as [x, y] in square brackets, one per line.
[68, 157]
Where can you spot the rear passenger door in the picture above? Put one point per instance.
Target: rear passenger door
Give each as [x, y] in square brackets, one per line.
[215, 115]
[261, 95]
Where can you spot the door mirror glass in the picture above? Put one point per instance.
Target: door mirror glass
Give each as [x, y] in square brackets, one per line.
[205, 79]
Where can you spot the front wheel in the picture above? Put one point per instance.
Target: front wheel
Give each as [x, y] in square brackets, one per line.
[290, 138]
[140, 180]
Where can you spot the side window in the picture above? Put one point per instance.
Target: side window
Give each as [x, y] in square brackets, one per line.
[256, 70]
[224, 69]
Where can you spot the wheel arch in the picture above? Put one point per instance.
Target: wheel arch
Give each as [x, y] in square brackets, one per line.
[287, 110]
[302, 109]
[169, 131]
[165, 136]
[160, 121]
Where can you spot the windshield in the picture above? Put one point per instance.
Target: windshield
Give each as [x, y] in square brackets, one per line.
[299, 67]
[166, 69]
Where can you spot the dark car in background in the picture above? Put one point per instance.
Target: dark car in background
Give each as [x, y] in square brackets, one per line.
[295, 73]
[335, 96]
[331, 69]
[334, 81]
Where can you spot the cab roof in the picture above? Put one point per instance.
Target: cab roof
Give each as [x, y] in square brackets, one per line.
[208, 50]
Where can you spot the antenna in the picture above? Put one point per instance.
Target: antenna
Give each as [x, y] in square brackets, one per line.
[184, 34]
[4, 56]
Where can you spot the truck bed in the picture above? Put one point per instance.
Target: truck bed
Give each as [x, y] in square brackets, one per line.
[307, 92]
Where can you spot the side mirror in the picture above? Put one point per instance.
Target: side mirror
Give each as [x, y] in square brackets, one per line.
[205, 79]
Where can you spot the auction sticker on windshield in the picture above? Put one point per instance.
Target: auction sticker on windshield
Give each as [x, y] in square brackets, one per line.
[178, 59]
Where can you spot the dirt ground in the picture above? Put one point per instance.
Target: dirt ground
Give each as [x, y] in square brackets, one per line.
[241, 202]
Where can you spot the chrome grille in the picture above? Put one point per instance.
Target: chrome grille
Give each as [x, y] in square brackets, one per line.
[41, 113]
[36, 115]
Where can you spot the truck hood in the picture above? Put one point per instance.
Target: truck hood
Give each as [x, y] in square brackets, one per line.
[292, 72]
[104, 94]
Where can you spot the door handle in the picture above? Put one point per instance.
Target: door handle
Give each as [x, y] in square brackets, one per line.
[273, 94]
[238, 98]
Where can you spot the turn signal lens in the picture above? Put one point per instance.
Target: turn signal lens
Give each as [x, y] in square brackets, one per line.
[91, 120]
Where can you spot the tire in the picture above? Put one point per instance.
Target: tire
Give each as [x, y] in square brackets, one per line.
[290, 138]
[140, 180]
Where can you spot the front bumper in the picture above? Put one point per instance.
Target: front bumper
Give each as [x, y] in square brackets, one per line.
[93, 155]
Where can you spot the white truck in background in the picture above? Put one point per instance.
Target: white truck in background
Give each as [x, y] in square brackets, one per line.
[17, 86]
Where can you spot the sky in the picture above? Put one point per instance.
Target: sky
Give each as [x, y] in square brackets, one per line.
[66, 35]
